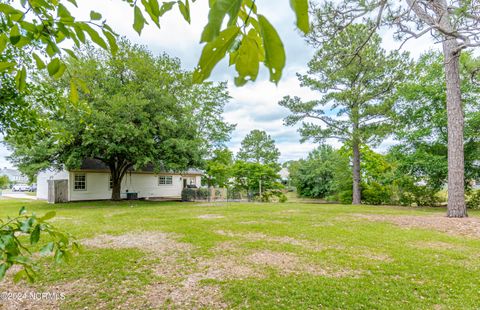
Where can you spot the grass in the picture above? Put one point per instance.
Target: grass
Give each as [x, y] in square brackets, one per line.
[315, 255]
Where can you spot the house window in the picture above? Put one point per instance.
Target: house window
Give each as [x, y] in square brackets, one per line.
[80, 182]
[165, 180]
[110, 183]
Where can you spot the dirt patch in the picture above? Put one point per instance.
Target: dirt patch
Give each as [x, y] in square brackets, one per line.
[187, 295]
[454, 226]
[211, 204]
[27, 296]
[210, 216]
[290, 263]
[183, 288]
[154, 242]
[438, 245]
[284, 239]
[261, 222]
[377, 257]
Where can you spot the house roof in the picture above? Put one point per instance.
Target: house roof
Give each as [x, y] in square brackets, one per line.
[95, 164]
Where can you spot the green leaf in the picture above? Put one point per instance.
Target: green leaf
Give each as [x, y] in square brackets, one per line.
[3, 42]
[3, 270]
[247, 60]
[166, 6]
[21, 79]
[22, 211]
[47, 216]
[213, 52]
[153, 10]
[27, 224]
[35, 235]
[216, 15]
[22, 274]
[94, 36]
[112, 41]
[64, 13]
[95, 15]
[138, 20]
[300, 7]
[185, 10]
[70, 52]
[53, 66]
[4, 66]
[79, 32]
[274, 49]
[47, 249]
[73, 93]
[40, 64]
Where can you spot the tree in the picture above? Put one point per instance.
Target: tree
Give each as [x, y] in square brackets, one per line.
[133, 112]
[4, 181]
[454, 24]
[248, 37]
[255, 178]
[358, 93]
[259, 147]
[314, 176]
[219, 168]
[422, 128]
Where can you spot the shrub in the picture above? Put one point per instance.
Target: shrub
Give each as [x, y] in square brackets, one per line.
[273, 195]
[473, 200]
[374, 193]
[188, 194]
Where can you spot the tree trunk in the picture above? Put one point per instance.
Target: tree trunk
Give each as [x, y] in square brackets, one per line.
[116, 190]
[357, 192]
[455, 118]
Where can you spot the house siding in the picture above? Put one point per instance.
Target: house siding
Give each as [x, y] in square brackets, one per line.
[42, 181]
[145, 185]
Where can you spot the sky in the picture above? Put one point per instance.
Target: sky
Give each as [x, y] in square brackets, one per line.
[253, 106]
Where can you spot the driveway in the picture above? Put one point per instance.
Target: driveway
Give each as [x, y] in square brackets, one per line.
[20, 195]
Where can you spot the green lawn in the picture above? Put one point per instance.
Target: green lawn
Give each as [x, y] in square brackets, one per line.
[145, 255]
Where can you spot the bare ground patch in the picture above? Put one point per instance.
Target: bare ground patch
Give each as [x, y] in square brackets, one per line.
[438, 245]
[454, 226]
[211, 204]
[154, 242]
[210, 216]
[290, 263]
[284, 239]
[27, 296]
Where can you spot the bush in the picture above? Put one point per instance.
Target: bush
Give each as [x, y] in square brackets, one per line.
[273, 195]
[188, 194]
[473, 200]
[192, 194]
[374, 193]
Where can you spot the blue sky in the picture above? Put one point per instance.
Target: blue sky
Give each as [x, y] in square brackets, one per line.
[253, 106]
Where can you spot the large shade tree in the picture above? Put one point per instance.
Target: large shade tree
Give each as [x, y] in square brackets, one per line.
[453, 24]
[135, 110]
[357, 83]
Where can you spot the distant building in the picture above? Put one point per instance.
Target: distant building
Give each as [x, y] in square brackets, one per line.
[284, 176]
[14, 175]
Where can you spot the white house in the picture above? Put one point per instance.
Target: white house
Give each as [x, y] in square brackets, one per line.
[13, 175]
[93, 182]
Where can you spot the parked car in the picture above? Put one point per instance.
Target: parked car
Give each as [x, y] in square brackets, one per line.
[20, 188]
[33, 188]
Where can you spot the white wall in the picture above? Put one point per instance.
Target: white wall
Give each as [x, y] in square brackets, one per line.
[146, 185]
[42, 181]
